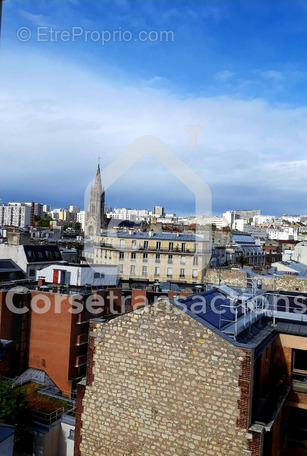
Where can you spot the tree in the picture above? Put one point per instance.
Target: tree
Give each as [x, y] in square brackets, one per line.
[45, 222]
[243, 260]
[14, 410]
[78, 227]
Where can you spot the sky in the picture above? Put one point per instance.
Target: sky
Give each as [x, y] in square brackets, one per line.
[79, 80]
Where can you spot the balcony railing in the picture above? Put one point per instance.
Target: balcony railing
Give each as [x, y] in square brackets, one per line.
[81, 339]
[82, 318]
[154, 249]
[80, 360]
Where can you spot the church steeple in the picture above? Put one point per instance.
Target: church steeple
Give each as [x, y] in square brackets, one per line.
[95, 219]
[98, 170]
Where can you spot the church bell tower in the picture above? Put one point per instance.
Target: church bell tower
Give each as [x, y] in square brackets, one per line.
[95, 216]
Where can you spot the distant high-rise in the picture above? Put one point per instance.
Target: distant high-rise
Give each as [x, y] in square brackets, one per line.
[95, 217]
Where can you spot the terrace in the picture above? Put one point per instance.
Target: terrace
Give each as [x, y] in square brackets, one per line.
[47, 404]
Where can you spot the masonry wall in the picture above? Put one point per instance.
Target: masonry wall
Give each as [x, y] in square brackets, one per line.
[161, 383]
[227, 276]
[290, 283]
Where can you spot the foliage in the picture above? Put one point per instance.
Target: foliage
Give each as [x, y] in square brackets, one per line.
[243, 261]
[14, 410]
[45, 222]
[78, 227]
[40, 402]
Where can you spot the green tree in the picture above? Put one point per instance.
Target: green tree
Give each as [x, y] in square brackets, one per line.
[78, 227]
[45, 222]
[14, 410]
[243, 260]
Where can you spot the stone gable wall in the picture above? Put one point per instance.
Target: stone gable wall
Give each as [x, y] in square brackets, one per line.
[163, 384]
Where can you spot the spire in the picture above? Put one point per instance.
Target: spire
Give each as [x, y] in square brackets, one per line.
[98, 170]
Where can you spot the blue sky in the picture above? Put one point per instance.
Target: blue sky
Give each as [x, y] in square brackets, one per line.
[236, 68]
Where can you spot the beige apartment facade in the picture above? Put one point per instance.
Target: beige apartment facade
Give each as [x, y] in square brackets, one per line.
[155, 257]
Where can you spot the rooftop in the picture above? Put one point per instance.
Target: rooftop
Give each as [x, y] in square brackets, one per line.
[6, 431]
[243, 239]
[158, 236]
[247, 319]
[42, 253]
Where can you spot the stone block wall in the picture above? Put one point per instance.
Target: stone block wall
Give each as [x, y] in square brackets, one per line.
[161, 383]
[229, 277]
[290, 283]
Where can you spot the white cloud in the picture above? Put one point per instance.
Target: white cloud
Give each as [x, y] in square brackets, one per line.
[36, 19]
[224, 75]
[275, 75]
[57, 118]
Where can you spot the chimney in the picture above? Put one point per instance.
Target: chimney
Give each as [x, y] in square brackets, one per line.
[16, 237]
[41, 281]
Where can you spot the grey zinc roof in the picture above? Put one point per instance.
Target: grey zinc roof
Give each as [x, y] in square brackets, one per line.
[6, 431]
[9, 266]
[243, 239]
[158, 236]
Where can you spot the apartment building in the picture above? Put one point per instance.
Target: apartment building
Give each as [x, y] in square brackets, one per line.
[248, 247]
[151, 257]
[283, 233]
[46, 335]
[226, 382]
[31, 258]
[81, 218]
[15, 214]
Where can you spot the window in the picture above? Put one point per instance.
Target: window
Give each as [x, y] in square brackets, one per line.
[196, 248]
[195, 260]
[182, 260]
[194, 273]
[170, 259]
[122, 243]
[121, 256]
[169, 272]
[40, 254]
[120, 269]
[132, 269]
[145, 257]
[158, 245]
[133, 256]
[134, 244]
[157, 271]
[170, 246]
[96, 275]
[32, 272]
[182, 273]
[183, 247]
[300, 361]
[145, 245]
[144, 270]
[157, 257]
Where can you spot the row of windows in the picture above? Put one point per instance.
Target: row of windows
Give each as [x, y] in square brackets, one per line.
[157, 258]
[145, 257]
[171, 246]
[157, 271]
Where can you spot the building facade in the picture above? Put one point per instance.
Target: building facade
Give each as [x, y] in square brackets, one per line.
[150, 256]
[15, 214]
